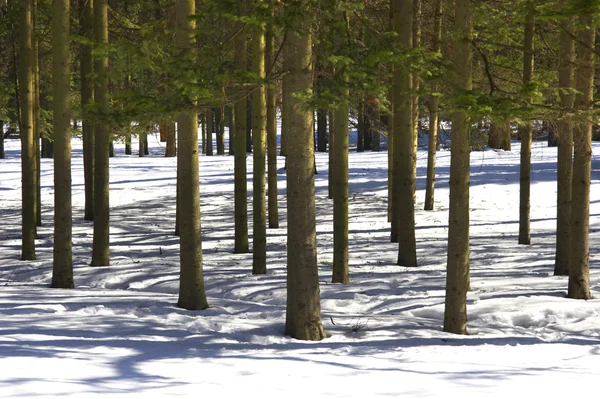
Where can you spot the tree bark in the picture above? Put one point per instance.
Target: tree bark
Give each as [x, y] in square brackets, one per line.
[259, 125]
[272, 132]
[499, 135]
[210, 127]
[87, 97]
[579, 270]
[26, 77]
[192, 295]
[62, 271]
[303, 308]
[220, 130]
[457, 279]
[239, 117]
[564, 138]
[171, 146]
[404, 150]
[526, 135]
[101, 243]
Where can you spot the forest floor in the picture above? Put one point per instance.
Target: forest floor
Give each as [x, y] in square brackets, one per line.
[119, 333]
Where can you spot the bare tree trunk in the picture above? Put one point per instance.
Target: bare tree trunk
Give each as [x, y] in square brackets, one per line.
[272, 133]
[526, 135]
[101, 244]
[87, 97]
[26, 77]
[192, 295]
[171, 147]
[303, 308]
[499, 135]
[37, 120]
[209, 131]
[62, 271]
[564, 138]
[404, 149]
[457, 279]
[259, 125]
[241, 191]
[579, 270]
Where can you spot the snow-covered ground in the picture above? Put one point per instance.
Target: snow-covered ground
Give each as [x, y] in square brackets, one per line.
[119, 334]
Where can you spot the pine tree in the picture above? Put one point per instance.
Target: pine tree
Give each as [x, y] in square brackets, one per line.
[62, 272]
[87, 97]
[271, 131]
[303, 308]
[101, 243]
[26, 85]
[192, 295]
[457, 279]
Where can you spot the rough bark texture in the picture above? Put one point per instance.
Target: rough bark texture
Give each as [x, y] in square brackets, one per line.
[220, 130]
[27, 130]
[457, 279]
[171, 146]
[579, 270]
[526, 137]
[37, 121]
[239, 120]
[62, 270]
[87, 97]
[499, 136]
[340, 193]
[434, 105]
[101, 248]
[404, 149]
[303, 308]
[259, 139]
[564, 138]
[271, 134]
[191, 279]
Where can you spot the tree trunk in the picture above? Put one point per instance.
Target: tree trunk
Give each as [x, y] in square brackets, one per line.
[62, 271]
[1, 139]
[360, 127]
[434, 105]
[564, 138]
[259, 125]
[272, 133]
[37, 120]
[191, 280]
[303, 308]
[499, 135]
[141, 144]
[330, 156]
[321, 130]
[220, 130]
[416, 84]
[171, 148]
[526, 135]
[87, 97]
[239, 117]
[457, 279]
[209, 131]
[339, 171]
[26, 77]
[579, 273]
[101, 244]
[404, 150]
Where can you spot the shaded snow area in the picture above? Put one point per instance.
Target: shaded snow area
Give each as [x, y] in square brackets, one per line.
[120, 335]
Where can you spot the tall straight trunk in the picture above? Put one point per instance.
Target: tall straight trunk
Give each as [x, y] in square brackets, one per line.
[272, 132]
[416, 84]
[499, 135]
[339, 171]
[457, 278]
[526, 135]
[202, 123]
[62, 270]
[368, 126]
[127, 86]
[1, 139]
[375, 125]
[230, 125]
[390, 159]
[404, 150]
[142, 144]
[239, 118]
[26, 77]
[259, 126]
[101, 244]
[579, 270]
[330, 155]
[564, 138]
[220, 130]
[210, 128]
[285, 103]
[87, 97]
[434, 106]
[37, 120]
[192, 295]
[249, 124]
[303, 307]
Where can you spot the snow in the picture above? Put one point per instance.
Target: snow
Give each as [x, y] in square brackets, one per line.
[119, 333]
